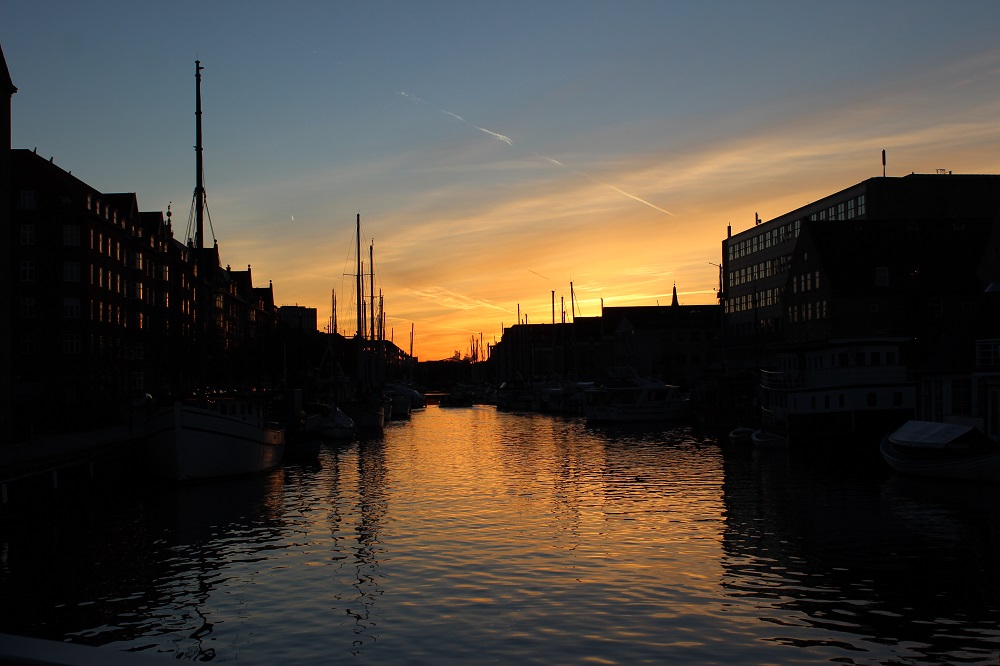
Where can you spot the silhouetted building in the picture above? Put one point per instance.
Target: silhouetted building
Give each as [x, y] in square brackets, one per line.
[864, 309]
[676, 343]
[297, 316]
[7, 90]
[756, 263]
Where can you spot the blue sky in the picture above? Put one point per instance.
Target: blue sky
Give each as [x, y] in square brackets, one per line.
[498, 151]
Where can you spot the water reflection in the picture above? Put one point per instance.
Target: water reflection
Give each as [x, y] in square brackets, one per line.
[855, 564]
[468, 534]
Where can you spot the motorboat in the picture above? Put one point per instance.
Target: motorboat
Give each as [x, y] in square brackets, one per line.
[741, 436]
[768, 438]
[213, 436]
[334, 425]
[942, 450]
[628, 398]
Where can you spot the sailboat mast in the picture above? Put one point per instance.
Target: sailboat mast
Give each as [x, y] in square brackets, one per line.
[199, 188]
[371, 287]
[360, 329]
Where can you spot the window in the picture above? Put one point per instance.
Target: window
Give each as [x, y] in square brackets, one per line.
[27, 271]
[26, 200]
[861, 205]
[882, 276]
[71, 271]
[817, 279]
[27, 234]
[27, 308]
[71, 343]
[71, 308]
[71, 235]
[850, 209]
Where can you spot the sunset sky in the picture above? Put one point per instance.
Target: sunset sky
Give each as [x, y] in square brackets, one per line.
[499, 151]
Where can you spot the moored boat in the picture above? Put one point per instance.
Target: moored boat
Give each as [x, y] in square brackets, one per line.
[942, 450]
[741, 435]
[768, 438]
[334, 425]
[628, 398]
[213, 436]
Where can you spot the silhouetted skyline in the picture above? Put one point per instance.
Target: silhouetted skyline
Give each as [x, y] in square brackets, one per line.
[497, 153]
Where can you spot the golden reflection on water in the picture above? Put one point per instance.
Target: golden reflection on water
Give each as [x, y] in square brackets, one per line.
[472, 534]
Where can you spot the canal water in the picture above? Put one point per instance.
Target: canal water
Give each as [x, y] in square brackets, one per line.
[472, 535]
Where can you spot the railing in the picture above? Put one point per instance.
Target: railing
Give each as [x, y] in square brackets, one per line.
[779, 381]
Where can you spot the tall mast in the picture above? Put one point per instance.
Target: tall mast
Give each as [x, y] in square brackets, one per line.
[371, 286]
[361, 294]
[199, 188]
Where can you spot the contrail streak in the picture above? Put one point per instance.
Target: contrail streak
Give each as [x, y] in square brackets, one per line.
[495, 135]
[507, 140]
[601, 182]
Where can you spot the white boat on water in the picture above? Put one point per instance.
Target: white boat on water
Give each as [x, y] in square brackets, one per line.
[335, 425]
[212, 436]
[628, 398]
[942, 450]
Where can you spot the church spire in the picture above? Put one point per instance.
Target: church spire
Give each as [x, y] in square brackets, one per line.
[673, 301]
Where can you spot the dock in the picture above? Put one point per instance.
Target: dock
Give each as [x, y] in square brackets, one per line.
[42, 470]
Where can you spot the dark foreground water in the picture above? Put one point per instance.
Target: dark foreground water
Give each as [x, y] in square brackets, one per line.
[471, 535]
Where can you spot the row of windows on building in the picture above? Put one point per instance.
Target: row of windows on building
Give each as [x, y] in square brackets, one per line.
[72, 345]
[105, 245]
[747, 302]
[841, 359]
[895, 399]
[796, 313]
[807, 311]
[28, 200]
[759, 271]
[762, 241]
[844, 210]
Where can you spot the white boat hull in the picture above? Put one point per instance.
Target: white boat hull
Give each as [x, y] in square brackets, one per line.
[188, 443]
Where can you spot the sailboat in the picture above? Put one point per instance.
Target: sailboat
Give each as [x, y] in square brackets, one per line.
[367, 409]
[214, 434]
